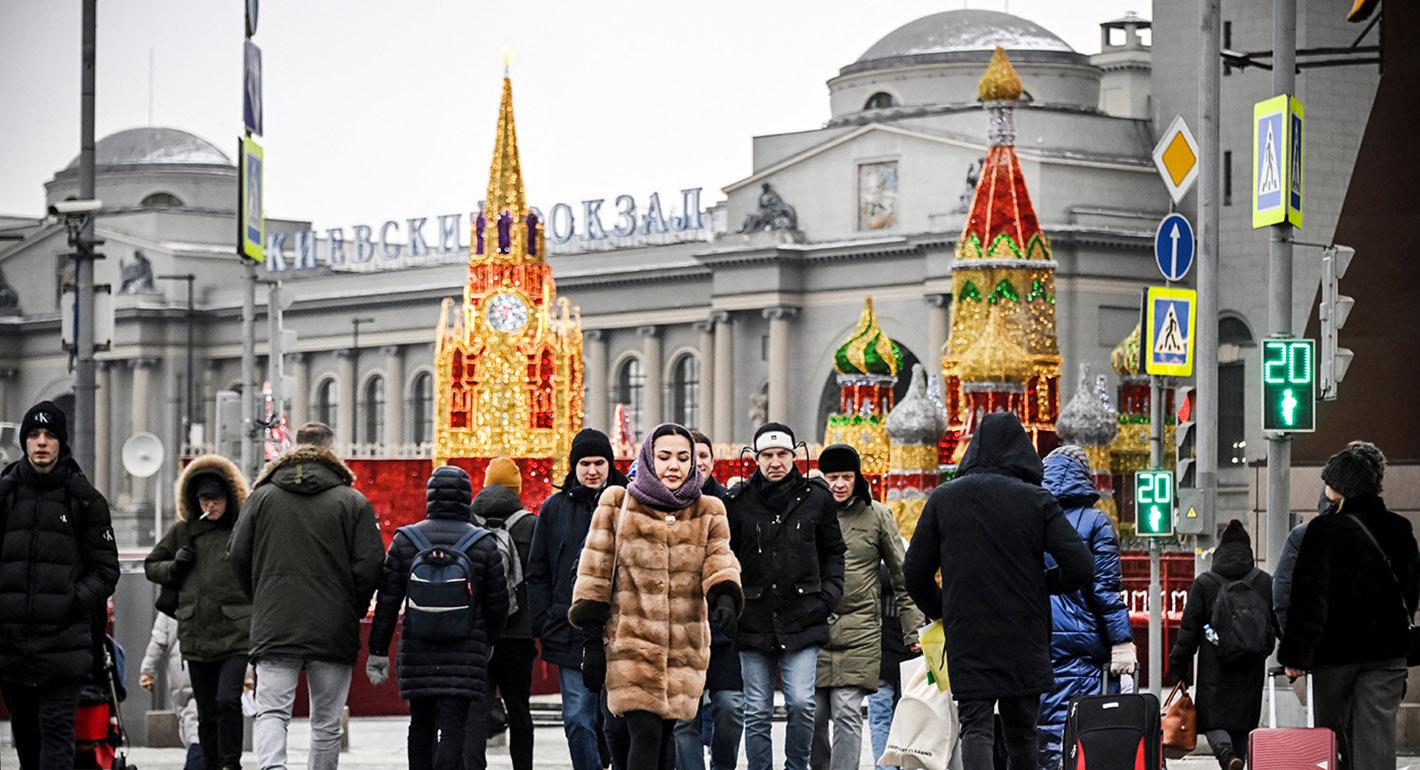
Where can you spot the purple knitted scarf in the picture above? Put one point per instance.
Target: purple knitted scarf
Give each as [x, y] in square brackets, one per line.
[649, 490]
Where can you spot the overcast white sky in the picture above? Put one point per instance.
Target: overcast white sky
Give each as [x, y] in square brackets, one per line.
[383, 110]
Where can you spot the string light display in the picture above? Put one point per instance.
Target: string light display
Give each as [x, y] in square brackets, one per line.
[867, 364]
[914, 426]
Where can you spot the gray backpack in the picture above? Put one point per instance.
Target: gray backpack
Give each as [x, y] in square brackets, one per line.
[512, 564]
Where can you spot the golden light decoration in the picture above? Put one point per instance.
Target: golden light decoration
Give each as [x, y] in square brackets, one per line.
[1000, 82]
[508, 375]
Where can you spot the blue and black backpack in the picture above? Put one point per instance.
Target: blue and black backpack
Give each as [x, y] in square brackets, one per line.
[438, 604]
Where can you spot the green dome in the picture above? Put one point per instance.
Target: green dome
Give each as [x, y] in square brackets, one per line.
[868, 350]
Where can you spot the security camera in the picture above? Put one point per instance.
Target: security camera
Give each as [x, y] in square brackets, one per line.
[74, 207]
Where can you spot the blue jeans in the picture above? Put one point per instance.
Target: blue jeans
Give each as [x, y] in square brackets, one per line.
[723, 710]
[881, 706]
[579, 719]
[797, 670]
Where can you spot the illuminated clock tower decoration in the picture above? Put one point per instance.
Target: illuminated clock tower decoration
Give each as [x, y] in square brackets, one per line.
[1002, 355]
[509, 362]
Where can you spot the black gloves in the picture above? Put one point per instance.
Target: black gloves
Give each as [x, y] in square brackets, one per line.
[723, 617]
[185, 558]
[593, 658]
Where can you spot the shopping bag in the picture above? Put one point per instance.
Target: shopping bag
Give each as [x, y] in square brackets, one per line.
[1180, 723]
[924, 726]
[933, 638]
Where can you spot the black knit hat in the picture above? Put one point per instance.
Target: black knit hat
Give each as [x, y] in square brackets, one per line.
[1352, 472]
[773, 435]
[1235, 532]
[47, 415]
[590, 442]
[839, 458]
[209, 486]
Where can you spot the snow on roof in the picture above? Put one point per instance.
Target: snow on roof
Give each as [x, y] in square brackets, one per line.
[965, 30]
[151, 145]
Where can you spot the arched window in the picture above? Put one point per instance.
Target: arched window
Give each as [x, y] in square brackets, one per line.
[162, 200]
[880, 101]
[372, 422]
[422, 401]
[327, 402]
[1233, 335]
[630, 386]
[685, 391]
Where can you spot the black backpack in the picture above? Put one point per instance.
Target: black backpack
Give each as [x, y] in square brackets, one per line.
[438, 604]
[1242, 620]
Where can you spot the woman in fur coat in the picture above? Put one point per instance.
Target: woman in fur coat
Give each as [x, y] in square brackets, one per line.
[655, 573]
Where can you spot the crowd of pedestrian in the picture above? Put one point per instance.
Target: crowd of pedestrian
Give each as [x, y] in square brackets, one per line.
[672, 608]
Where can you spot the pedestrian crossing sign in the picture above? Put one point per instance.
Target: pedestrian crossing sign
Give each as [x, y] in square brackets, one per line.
[1170, 316]
[1277, 162]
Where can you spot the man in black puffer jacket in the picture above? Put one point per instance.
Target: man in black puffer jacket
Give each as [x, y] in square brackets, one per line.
[561, 530]
[441, 680]
[58, 566]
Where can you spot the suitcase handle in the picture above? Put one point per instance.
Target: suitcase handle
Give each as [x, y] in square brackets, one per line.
[1272, 674]
[1104, 679]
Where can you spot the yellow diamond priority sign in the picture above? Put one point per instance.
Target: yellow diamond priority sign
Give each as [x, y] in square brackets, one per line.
[1176, 157]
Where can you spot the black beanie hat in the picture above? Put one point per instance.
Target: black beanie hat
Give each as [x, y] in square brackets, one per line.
[209, 486]
[1352, 473]
[590, 442]
[1235, 532]
[47, 415]
[839, 458]
[773, 435]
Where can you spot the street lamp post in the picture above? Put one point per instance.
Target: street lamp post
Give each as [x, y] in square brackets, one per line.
[189, 391]
[355, 324]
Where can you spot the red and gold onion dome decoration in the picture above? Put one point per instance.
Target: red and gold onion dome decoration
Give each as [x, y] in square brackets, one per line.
[867, 364]
[509, 365]
[1129, 452]
[1091, 422]
[915, 427]
[1002, 354]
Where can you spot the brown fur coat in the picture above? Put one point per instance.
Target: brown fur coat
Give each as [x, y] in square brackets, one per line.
[657, 633]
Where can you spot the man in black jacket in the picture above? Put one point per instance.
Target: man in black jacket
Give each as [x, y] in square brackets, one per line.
[58, 566]
[561, 530]
[1354, 592]
[988, 532]
[784, 530]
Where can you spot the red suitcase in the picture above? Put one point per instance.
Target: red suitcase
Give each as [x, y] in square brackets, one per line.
[1291, 748]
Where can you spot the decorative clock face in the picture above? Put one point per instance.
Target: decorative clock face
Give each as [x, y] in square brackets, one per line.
[506, 312]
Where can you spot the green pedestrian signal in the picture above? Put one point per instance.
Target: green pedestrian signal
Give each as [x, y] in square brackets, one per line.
[1289, 385]
[1153, 503]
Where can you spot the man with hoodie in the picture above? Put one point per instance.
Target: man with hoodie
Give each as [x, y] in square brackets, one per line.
[989, 531]
[561, 530]
[308, 552]
[784, 530]
[58, 566]
[1089, 627]
[849, 664]
[498, 509]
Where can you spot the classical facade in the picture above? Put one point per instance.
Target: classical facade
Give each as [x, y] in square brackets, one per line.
[715, 316]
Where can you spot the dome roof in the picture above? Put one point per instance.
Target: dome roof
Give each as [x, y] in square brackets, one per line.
[963, 31]
[868, 350]
[154, 146]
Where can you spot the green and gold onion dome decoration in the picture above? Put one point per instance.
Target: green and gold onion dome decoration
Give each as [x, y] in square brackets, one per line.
[868, 350]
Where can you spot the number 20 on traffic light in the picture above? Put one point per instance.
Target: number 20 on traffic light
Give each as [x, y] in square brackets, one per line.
[1289, 385]
[1153, 503]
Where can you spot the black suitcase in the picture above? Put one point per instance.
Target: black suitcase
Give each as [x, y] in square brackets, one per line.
[1113, 732]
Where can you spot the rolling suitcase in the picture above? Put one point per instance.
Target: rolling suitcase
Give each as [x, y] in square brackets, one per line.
[1104, 731]
[1285, 748]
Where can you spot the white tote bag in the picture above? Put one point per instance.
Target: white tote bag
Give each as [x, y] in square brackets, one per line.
[924, 726]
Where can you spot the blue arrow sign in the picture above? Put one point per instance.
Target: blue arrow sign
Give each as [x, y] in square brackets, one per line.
[1173, 247]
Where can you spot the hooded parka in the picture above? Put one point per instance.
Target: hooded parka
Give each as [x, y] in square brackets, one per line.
[853, 655]
[988, 531]
[647, 574]
[58, 566]
[213, 612]
[459, 668]
[308, 552]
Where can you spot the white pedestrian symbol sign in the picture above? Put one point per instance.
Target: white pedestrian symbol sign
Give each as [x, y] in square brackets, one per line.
[1170, 340]
[1268, 180]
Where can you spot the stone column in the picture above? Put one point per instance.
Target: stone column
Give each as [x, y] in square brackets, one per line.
[140, 490]
[651, 412]
[779, 374]
[939, 320]
[707, 381]
[724, 378]
[103, 429]
[594, 410]
[394, 396]
[209, 419]
[7, 375]
[345, 413]
[301, 397]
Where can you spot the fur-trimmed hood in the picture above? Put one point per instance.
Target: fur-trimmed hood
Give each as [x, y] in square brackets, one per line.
[306, 469]
[209, 466]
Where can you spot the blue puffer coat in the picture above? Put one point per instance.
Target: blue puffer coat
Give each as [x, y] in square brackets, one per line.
[1086, 623]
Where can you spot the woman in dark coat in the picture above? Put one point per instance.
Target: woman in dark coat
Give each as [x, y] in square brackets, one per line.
[1229, 694]
[440, 679]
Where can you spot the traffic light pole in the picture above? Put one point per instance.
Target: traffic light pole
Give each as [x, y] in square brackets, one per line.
[1279, 279]
[1206, 346]
[1156, 598]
